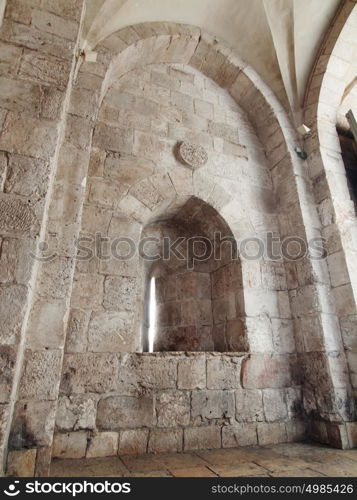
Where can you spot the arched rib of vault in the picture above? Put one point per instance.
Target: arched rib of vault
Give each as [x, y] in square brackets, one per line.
[334, 71]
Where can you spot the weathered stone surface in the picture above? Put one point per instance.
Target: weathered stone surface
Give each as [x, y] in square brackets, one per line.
[76, 412]
[16, 93]
[78, 131]
[165, 440]
[7, 364]
[15, 261]
[44, 69]
[87, 291]
[271, 433]
[56, 25]
[21, 463]
[46, 325]
[119, 293]
[70, 445]
[55, 277]
[113, 139]
[76, 340]
[40, 379]
[133, 442]
[89, 372]
[147, 372]
[116, 412]
[32, 425]
[172, 408]
[239, 435]
[111, 331]
[260, 371]
[192, 372]
[17, 216]
[103, 444]
[27, 177]
[212, 404]
[201, 438]
[12, 304]
[28, 137]
[223, 372]
[249, 406]
[274, 405]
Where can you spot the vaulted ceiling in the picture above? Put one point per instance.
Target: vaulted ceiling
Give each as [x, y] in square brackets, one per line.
[278, 38]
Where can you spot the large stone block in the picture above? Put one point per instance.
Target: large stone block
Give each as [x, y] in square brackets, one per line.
[21, 463]
[223, 372]
[56, 25]
[172, 408]
[44, 69]
[126, 169]
[249, 405]
[120, 293]
[209, 405]
[261, 371]
[87, 292]
[76, 340]
[103, 444]
[120, 412]
[46, 325]
[271, 433]
[9, 54]
[12, 304]
[274, 405]
[106, 192]
[113, 139]
[78, 131]
[7, 365]
[76, 412]
[239, 435]
[41, 375]
[55, 278]
[87, 372]
[165, 441]
[16, 262]
[111, 331]
[147, 372]
[32, 38]
[202, 438]
[16, 217]
[133, 441]
[16, 93]
[63, 8]
[30, 137]
[33, 424]
[70, 445]
[192, 372]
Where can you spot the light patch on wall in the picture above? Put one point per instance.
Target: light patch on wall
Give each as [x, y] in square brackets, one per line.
[2, 10]
[152, 315]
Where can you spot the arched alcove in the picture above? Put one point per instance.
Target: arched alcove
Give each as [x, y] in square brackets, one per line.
[196, 303]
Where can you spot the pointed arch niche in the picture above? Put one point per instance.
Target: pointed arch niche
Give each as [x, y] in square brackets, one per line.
[194, 296]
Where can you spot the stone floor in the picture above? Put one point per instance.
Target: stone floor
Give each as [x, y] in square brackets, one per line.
[285, 460]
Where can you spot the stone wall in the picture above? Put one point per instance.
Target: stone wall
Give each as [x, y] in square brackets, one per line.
[138, 403]
[135, 178]
[37, 46]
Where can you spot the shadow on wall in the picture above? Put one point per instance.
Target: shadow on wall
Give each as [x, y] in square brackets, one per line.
[194, 296]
